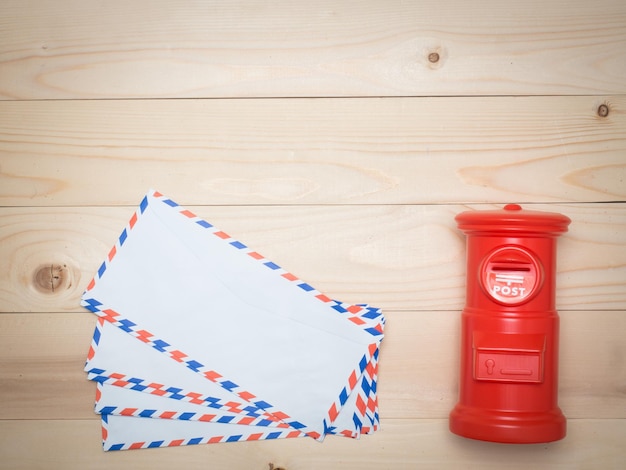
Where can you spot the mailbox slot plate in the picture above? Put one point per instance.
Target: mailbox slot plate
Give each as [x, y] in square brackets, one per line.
[508, 357]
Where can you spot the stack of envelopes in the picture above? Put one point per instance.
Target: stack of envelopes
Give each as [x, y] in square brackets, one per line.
[201, 339]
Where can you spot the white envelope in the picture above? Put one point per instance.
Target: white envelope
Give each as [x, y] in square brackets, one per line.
[223, 315]
[125, 394]
[114, 351]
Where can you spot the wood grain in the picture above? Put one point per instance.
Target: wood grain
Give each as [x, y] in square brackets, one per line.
[314, 151]
[339, 139]
[402, 444]
[394, 257]
[73, 49]
[41, 372]
[42, 357]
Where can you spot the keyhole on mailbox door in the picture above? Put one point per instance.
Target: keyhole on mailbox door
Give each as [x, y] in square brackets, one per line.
[490, 363]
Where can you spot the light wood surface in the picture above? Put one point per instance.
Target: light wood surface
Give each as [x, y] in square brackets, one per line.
[75, 49]
[403, 444]
[314, 151]
[401, 257]
[42, 357]
[339, 139]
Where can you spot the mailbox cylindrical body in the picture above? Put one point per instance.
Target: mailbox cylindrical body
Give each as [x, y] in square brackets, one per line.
[510, 328]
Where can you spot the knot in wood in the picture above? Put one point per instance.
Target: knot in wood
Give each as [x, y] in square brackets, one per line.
[51, 278]
[433, 57]
[603, 110]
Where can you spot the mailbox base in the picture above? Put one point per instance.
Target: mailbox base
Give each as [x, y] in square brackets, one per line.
[508, 427]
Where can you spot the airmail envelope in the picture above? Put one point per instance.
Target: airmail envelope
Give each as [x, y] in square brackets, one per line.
[220, 420]
[129, 422]
[133, 427]
[232, 326]
[122, 361]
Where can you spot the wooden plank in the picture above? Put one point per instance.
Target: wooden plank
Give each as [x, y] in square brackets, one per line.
[394, 257]
[314, 151]
[402, 444]
[420, 362]
[71, 49]
[41, 373]
[42, 357]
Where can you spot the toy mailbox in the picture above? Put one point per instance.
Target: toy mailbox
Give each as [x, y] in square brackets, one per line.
[510, 328]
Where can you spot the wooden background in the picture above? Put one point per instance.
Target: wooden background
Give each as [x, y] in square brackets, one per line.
[339, 139]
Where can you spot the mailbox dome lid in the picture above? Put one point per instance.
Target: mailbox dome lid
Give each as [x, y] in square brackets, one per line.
[512, 218]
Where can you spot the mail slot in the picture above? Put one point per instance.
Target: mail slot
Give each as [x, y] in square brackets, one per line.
[511, 275]
[508, 389]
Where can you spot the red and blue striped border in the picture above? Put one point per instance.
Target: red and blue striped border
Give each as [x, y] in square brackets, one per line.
[250, 418]
[254, 436]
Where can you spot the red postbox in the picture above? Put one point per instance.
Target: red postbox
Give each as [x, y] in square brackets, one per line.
[510, 328]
